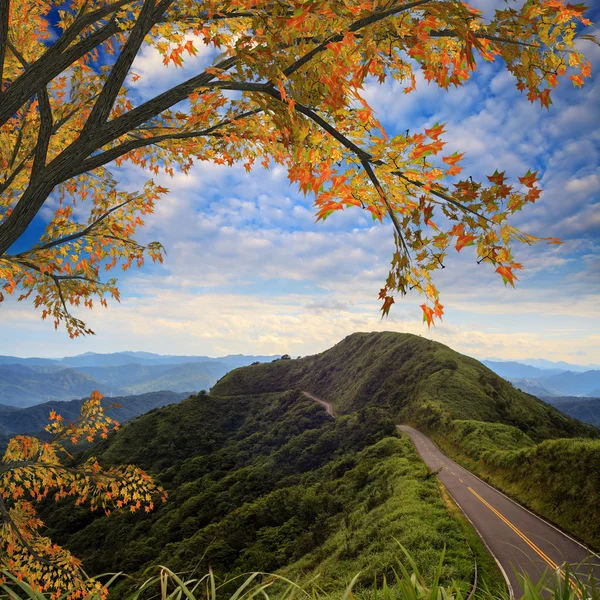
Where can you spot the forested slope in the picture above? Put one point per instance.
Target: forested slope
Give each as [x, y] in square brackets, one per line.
[272, 483]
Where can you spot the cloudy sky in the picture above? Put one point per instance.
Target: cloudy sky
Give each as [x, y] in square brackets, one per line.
[249, 271]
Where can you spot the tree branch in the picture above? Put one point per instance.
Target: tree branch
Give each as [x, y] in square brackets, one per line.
[146, 20]
[73, 236]
[483, 36]
[46, 68]
[441, 195]
[44, 134]
[57, 279]
[6, 184]
[99, 160]
[123, 124]
[84, 20]
[8, 519]
[371, 174]
[4, 12]
[17, 54]
[362, 155]
[19, 140]
[373, 18]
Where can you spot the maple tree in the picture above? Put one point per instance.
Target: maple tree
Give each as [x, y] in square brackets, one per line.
[285, 88]
[34, 469]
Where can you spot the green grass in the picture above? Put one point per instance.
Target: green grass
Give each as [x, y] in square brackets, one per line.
[403, 503]
[406, 582]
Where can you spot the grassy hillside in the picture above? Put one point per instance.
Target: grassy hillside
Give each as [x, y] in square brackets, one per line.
[272, 483]
[470, 411]
[416, 380]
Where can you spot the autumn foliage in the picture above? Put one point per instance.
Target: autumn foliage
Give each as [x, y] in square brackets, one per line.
[286, 87]
[32, 470]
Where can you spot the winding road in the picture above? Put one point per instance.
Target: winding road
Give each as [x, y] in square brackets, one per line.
[327, 406]
[518, 540]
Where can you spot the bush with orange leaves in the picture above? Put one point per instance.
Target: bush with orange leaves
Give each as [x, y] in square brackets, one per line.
[33, 469]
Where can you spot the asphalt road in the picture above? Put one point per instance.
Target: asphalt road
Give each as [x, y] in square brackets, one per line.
[327, 406]
[518, 540]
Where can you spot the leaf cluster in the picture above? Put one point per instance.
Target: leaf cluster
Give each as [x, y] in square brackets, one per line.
[33, 470]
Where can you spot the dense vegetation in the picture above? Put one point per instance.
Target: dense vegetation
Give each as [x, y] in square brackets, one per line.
[407, 583]
[415, 379]
[584, 409]
[272, 483]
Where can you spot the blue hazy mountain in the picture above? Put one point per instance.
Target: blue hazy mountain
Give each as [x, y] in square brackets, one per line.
[29, 381]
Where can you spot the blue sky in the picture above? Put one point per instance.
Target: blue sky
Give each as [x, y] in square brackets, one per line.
[248, 270]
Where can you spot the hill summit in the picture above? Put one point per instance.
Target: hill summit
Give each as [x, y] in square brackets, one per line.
[417, 380]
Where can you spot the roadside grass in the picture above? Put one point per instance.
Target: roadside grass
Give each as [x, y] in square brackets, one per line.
[410, 508]
[405, 582]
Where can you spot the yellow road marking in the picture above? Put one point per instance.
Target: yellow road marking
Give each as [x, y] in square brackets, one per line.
[460, 480]
[550, 562]
[516, 530]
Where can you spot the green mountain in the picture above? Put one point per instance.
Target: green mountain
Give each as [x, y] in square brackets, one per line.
[584, 409]
[416, 380]
[478, 418]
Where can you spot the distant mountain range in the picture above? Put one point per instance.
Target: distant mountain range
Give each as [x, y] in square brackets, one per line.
[30, 381]
[114, 359]
[584, 409]
[33, 419]
[544, 364]
[548, 382]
